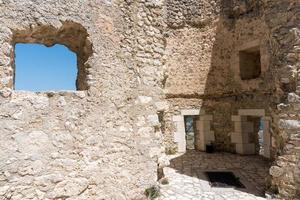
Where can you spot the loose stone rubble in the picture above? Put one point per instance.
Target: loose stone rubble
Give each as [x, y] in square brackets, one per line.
[143, 65]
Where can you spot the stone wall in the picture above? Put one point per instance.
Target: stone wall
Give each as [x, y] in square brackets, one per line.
[98, 143]
[283, 20]
[140, 64]
[203, 72]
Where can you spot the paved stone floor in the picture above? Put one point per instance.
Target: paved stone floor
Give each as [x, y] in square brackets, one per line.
[187, 179]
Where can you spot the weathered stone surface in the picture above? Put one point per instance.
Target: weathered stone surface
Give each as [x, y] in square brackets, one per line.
[69, 188]
[83, 144]
[140, 64]
[276, 171]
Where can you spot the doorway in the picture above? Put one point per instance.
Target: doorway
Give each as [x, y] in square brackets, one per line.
[252, 134]
[257, 136]
[190, 126]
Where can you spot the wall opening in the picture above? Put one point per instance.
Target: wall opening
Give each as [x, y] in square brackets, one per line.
[189, 122]
[41, 68]
[252, 134]
[257, 136]
[250, 63]
[72, 35]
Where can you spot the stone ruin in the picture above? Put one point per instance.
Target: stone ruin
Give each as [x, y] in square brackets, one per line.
[143, 65]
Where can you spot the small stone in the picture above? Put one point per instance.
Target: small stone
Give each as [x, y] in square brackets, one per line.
[276, 171]
[144, 99]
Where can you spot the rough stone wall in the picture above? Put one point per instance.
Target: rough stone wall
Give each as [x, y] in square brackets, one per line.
[283, 20]
[99, 143]
[189, 46]
[199, 61]
[202, 69]
[104, 141]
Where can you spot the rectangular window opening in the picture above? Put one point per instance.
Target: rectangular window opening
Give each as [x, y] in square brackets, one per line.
[189, 123]
[250, 63]
[39, 68]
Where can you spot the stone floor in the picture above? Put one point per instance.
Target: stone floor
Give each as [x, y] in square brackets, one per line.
[187, 180]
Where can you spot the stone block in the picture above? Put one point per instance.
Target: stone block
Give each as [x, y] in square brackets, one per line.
[206, 118]
[203, 126]
[177, 136]
[239, 137]
[267, 151]
[252, 112]
[178, 118]
[273, 142]
[209, 136]
[243, 127]
[162, 105]
[276, 171]
[267, 138]
[200, 144]
[266, 125]
[182, 146]
[289, 124]
[180, 127]
[245, 148]
[249, 45]
[238, 118]
[190, 112]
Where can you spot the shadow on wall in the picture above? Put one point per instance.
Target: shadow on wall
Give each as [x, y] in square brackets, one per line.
[225, 92]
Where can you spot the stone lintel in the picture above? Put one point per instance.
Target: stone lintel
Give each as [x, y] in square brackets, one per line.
[252, 112]
[206, 118]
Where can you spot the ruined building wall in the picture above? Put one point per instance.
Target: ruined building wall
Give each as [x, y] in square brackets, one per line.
[203, 73]
[190, 34]
[283, 19]
[203, 39]
[98, 143]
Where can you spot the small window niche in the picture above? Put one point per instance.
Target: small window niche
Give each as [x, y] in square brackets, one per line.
[51, 59]
[250, 63]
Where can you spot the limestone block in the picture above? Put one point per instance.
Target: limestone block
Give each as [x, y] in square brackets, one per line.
[245, 148]
[243, 127]
[266, 126]
[153, 120]
[36, 143]
[206, 118]
[203, 126]
[237, 137]
[273, 142]
[178, 118]
[267, 138]
[267, 152]
[289, 124]
[200, 144]
[190, 112]
[209, 136]
[182, 146]
[162, 105]
[276, 171]
[177, 136]
[238, 118]
[144, 99]
[252, 112]
[180, 127]
[249, 45]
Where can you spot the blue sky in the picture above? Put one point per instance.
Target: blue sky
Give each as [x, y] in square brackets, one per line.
[41, 68]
